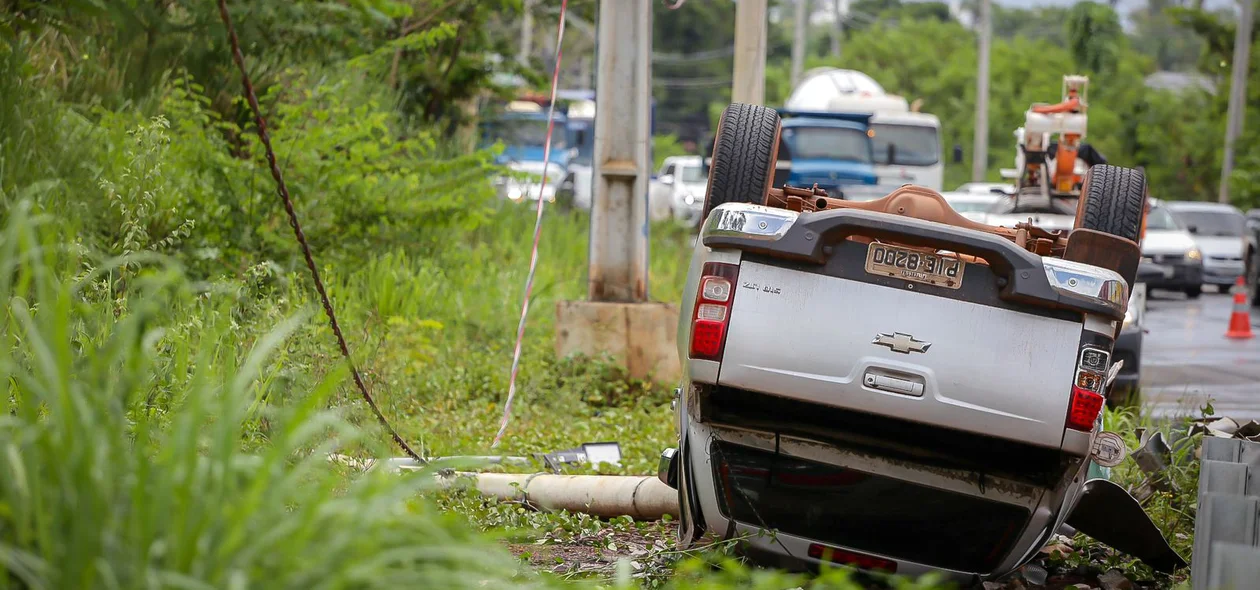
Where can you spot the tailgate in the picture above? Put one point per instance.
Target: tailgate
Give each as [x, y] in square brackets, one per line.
[943, 361]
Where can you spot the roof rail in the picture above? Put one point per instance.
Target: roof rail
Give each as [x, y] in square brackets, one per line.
[855, 117]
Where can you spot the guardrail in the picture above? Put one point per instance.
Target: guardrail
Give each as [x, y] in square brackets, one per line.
[1227, 527]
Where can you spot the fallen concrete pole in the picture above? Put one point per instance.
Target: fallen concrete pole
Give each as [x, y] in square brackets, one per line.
[639, 496]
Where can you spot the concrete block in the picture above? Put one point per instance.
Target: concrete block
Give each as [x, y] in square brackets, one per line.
[640, 336]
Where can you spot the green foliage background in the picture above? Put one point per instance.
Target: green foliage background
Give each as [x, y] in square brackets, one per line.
[915, 49]
[170, 387]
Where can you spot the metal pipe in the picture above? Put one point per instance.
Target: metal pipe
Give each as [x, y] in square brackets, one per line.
[980, 159]
[640, 497]
[748, 85]
[799, 40]
[1237, 95]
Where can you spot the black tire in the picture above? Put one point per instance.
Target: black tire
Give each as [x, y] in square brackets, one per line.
[1194, 292]
[744, 155]
[1113, 201]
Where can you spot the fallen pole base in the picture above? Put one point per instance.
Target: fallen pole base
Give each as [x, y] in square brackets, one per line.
[640, 497]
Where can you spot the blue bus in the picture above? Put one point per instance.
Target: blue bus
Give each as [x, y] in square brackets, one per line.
[522, 129]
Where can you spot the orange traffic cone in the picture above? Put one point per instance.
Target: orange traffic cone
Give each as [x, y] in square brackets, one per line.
[1240, 320]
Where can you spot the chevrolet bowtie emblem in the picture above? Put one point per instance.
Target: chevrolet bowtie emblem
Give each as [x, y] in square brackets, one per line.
[903, 343]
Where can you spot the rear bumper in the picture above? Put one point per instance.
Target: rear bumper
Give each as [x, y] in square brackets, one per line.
[1179, 275]
[812, 237]
[1222, 273]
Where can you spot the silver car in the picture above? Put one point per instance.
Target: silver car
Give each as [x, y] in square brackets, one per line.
[1220, 231]
[681, 184]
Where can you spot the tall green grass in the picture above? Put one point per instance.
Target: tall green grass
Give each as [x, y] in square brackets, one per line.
[435, 328]
[122, 461]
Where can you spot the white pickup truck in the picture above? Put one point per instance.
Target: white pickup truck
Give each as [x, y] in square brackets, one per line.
[889, 385]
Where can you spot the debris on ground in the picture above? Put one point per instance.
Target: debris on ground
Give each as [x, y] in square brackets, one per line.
[1034, 574]
[1115, 580]
[597, 553]
[1225, 427]
[1051, 571]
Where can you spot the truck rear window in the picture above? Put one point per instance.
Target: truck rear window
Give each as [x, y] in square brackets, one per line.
[864, 512]
[827, 143]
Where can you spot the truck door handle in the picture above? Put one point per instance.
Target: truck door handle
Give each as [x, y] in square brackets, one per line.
[893, 384]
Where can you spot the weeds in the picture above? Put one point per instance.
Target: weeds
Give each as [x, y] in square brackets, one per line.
[104, 489]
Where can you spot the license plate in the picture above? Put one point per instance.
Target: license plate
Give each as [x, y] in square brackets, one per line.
[912, 265]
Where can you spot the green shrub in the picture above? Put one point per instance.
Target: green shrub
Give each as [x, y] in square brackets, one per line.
[100, 487]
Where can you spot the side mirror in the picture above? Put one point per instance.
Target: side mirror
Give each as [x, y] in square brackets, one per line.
[1194, 229]
[958, 154]
[666, 179]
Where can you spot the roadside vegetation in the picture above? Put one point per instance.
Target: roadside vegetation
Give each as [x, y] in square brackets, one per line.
[172, 388]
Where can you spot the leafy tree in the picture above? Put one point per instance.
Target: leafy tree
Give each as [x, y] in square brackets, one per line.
[434, 83]
[695, 48]
[1158, 35]
[1042, 23]
[1094, 36]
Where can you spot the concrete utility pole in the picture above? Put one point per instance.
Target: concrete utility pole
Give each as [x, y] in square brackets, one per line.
[799, 40]
[748, 84]
[527, 32]
[1237, 94]
[618, 319]
[623, 92]
[980, 159]
[837, 14]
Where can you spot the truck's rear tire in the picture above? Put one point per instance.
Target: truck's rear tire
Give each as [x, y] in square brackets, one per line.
[1113, 201]
[744, 155]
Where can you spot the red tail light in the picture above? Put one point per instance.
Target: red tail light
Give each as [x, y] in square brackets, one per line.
[866, 562]
[713, 310]
[1084, 409]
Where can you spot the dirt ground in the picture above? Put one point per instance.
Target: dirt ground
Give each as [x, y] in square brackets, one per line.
[597, 553]
[650, 552]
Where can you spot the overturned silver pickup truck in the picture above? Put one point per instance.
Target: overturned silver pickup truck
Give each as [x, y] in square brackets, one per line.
[891, 386]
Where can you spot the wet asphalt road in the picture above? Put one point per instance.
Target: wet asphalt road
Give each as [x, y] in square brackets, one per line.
[1186, 358]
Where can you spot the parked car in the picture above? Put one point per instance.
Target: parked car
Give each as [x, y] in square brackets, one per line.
[984, 188]
[1220, 231]
[528, 183]
[1128, 350]
[973, 206]
[887, 385]
[1052, 213]
[1168, 245]
[681, 183]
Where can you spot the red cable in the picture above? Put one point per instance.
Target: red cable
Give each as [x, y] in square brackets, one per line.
[533, 255]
